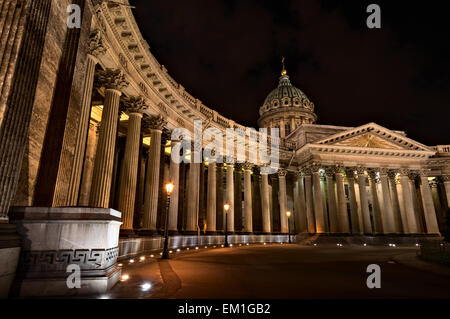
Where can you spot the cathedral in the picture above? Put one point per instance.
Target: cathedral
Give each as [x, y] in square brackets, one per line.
[86, 117]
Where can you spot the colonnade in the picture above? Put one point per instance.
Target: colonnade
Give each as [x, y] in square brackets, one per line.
[366, 200]
[324, 199]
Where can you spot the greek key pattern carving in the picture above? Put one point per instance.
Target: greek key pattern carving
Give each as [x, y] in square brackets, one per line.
[87, 259]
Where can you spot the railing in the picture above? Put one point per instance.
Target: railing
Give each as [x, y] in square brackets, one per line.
[442, 148]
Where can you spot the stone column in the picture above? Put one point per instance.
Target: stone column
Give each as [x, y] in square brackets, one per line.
[230, 196]
[248, 211]
[428, 205]
[399, 226]
[265, 203]
[344, 226]
[219, 197]
[300, 213]
[446, 180]
[113, 81]
[318, 204]
[388, 219]
[238, 218]
[135, 106]
[309, 202]
[211, 197]
[96, 49]
[353, 204]
[155, 125]
[367, 223]
[193, 195]
[174, 176]
[88, 168]
[283, 200]
[417, 209]
[331, 199]
[408, 201]
[378, 223]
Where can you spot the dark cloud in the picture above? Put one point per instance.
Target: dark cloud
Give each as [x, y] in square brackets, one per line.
[227, 54]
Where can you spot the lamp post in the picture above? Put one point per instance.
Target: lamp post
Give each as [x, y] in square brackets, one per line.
[226, 207]
[288, 214]
[169, 189]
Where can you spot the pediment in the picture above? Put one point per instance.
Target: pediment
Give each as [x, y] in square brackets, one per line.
[373, 136]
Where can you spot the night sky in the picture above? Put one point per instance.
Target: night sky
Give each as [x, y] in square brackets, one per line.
[227, 54]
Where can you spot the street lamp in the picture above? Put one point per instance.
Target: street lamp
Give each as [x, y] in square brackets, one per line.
[288, 214]
[169, 189]
[226, 207]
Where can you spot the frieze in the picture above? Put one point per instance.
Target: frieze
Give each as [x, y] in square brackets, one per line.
[58, 260]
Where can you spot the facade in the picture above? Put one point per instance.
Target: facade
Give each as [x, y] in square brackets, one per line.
[86, 118]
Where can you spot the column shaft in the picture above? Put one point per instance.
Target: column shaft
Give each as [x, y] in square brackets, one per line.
[331, 199]
[230, 196]
[318, 207]
[104, 158]
[248, 222]
[344, 226]
[388, 219]
[447, 188]
[80, 143]
[152, 181]
[193, 194]
[353, 204]
[309, 205]
[265, 203]
[282, 196]
[211, 197]
[428, 206]
[378, 223]
[128, 173]
[300, 213]
[174, 176]
[408, 202]
[367, 224]
[395, 203]
[88, 169]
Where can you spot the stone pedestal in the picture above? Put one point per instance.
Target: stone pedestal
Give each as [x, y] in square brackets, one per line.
[9, 257]
[54, 238]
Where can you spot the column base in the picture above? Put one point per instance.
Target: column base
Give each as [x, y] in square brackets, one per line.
[189, 233]
[127, 233]
[54, 239]
[9, 257]
[149, 233]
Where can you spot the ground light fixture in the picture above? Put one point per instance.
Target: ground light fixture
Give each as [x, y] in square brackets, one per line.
[169, 189]
[226, 208]
[288, 214]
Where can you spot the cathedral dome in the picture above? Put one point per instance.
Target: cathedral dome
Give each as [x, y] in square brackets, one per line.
[286, 107]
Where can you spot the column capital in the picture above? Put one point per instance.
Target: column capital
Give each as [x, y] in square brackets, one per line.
[424, 172]
[392, 174]
[154, 123]
[307, 171]
[134, 104]
[248, 166]
[361, 170]
[350, 172]
[97, 47]
[256, 170]
[315, 167]
[412, 175]
[112, 79]
[238, 166]
[404, 171]
[219, 165]
[282, 172]
[372, 174]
